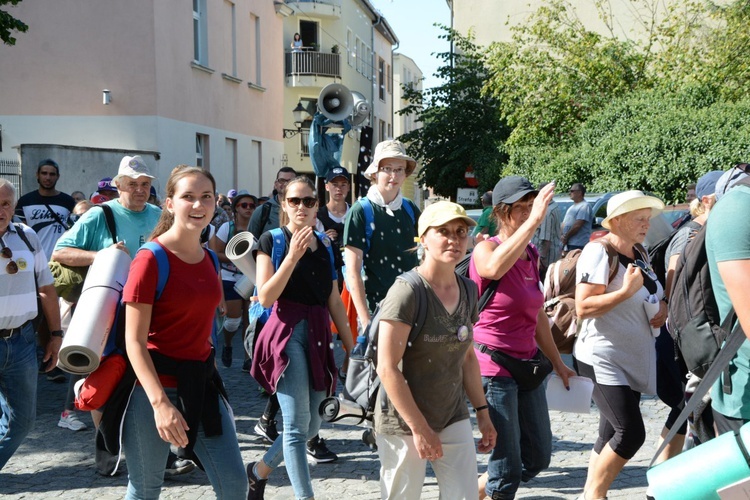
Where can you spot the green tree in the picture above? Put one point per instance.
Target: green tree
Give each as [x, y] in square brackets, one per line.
[8, 23]
[654, 112]
[460, 125]
[554, 73]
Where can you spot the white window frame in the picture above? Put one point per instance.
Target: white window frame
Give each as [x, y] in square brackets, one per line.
[200, 33]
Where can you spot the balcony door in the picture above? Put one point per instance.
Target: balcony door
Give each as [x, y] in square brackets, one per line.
[308, 31]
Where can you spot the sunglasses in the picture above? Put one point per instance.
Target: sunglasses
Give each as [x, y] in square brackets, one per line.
[308, 201]
[646, 269]
[12, 267]
[246, 205]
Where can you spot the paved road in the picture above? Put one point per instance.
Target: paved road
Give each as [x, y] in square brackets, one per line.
[55, 462]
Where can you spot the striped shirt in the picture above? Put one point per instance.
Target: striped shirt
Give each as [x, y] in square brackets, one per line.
[18, 291]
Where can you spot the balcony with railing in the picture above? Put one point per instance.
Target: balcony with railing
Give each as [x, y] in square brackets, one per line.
[327, 9]
[310, 63]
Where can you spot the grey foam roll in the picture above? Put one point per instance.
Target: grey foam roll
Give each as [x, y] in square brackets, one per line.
[240, 251]
[94, 316]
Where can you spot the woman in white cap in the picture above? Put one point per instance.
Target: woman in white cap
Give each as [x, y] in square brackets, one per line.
[615, 347]
[514, 325]
[428, 380]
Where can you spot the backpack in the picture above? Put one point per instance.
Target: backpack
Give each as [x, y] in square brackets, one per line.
[560, 294]
[694, 320]
[362, 383]
[658, 251]
[69, 279]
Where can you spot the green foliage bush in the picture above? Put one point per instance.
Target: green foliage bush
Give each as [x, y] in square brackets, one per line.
[655, 140]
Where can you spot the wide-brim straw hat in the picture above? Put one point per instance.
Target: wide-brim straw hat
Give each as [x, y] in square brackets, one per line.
[390, 149]
[630, 201]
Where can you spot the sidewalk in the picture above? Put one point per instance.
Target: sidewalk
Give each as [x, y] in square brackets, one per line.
[55, 462]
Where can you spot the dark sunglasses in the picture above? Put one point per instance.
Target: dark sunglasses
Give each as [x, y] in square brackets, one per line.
[646, 268]
[12, 267]
[246, 205]
[308, 201]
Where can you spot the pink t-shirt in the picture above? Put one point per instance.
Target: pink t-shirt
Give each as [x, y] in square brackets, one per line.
[508, 322]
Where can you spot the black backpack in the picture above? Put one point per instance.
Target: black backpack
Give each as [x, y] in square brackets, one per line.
[658, 251]
[694, 320]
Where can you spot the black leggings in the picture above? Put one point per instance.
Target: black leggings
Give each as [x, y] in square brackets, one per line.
[620, 421]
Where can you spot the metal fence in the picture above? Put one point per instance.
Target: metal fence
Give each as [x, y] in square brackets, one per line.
[313, 63]
[11, 170]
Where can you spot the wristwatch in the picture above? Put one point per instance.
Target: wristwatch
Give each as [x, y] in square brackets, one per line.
[56, 333]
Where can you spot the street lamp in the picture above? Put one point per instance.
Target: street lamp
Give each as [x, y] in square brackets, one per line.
[298, 114]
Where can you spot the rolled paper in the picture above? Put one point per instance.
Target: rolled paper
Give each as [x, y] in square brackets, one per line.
[240, 251]
[94, 315]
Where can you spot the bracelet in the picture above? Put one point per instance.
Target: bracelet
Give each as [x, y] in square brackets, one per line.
[479, 408]
[56, 333]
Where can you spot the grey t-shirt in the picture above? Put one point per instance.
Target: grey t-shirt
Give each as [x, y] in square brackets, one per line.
[618, 344]
[433, 363]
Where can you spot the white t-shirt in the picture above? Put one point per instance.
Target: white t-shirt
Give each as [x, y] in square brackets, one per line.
[618, 344]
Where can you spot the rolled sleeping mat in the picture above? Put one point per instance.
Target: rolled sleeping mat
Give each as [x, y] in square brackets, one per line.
[240, 251]
[687, 476]
[244, 287]
[340, 411]
[95, 313]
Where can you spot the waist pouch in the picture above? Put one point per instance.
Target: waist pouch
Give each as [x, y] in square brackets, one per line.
[528, 373]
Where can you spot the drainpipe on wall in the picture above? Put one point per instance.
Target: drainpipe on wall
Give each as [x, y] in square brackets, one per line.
[393, 89]
[372, 87]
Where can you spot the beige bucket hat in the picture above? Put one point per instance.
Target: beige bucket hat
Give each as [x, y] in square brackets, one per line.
[390, 149]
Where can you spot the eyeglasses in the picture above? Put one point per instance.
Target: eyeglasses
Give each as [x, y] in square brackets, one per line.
[646, 268]
[308, 201]
[573, 190]
[246, 205]
[283, 181]
[12, 267]
[393, 171]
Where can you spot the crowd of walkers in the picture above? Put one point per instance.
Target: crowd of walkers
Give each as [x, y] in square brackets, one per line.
[322, 269]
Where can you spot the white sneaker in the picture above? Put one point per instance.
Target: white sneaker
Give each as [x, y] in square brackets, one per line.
[69, 420]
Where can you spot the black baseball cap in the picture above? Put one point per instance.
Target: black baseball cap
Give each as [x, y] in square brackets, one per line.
[509, 190]
[338, 172]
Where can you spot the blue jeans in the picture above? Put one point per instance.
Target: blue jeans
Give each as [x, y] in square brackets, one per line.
[299, 406]
[147, 453]
[18, 374]
[524, 443]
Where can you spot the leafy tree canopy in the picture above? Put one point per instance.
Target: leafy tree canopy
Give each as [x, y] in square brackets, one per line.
[8, 23]
[652, 113]
[460, 125]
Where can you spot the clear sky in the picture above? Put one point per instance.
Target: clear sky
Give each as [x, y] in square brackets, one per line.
[413, 20]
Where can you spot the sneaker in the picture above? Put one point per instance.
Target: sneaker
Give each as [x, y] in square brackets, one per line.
[368, 437]
[266, 429]
[226, 356]
[246, 365]
[257, 485]
[69, 420]
[319, 452]
[178, 466]
[56, 375]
